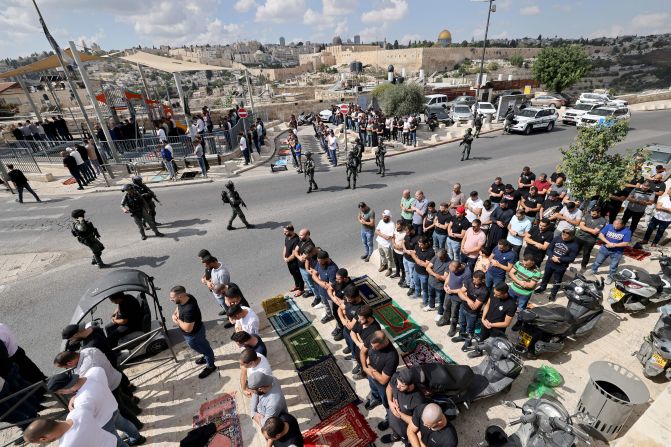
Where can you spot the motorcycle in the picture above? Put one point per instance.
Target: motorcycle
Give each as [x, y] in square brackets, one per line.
[655, 351]
[305, 119]
[545, 328]
[544, 423]
[432, 122]
[494, 375]
[635, 288]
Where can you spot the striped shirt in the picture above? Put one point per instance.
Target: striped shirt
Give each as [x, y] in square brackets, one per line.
[524, 274]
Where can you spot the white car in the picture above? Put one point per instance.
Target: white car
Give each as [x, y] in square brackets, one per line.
[531, 118]
[326, 115]
[605, 116]
[461, 113]
[601, 98]
[486, 108]
[573, 114]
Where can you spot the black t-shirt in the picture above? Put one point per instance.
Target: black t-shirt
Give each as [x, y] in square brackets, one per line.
[446, 437]
[352, 309]
[541, 237]
[243, 300]
[424, 255]
[496, 189]
[289, 244]
[532, 202]
[385, 360]
[17, 177]
[294, 437]
[443, 219]
[339, 288]
[498, 309]
[305, 246]
[475, 293]
[260, 347]
[189, 312]
[657, 187]
[408, 401]
[366, 332]
[458, 225]
[410, 244]
[513, 197]
[526, 179]
[98, 340]
[129, 309]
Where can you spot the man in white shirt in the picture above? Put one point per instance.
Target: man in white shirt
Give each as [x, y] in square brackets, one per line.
[332, 142]
[567, 219]
[245, 319]
[219, 280]
[79, 429]
[243, 147]
[473, 207]
[251, 362]
[385, 233]
[660, 220]
[92, 395]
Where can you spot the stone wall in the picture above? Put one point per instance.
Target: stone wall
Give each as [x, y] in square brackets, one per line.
[282, 74]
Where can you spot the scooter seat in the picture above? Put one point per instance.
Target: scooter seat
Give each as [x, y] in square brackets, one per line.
[549, 312]
[645, 277]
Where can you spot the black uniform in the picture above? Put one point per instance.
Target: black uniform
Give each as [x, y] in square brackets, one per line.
[138, 206]
[148, 194]
[380, 152]
[310, 173]
[477, 123]
[358, 153]
[466, 142]
[351, 168]
[87, 234]
[232, 197]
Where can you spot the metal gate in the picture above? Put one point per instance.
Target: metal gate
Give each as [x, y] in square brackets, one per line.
[21, 158]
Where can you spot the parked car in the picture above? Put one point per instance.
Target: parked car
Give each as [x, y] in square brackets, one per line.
[461, 113]
[464, 100]
[573, 114]
[601, 98]
[435, 100]
[495, 98]
[658, 154]
[548, 100]
[486, 108]
[442, 113]
[604, 115]
[532, 118]
[326, 115]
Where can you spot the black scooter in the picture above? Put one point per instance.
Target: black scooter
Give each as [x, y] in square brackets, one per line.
[655, 351]
[546, 328]
[305, 119]
[432, 122]
[635, 288]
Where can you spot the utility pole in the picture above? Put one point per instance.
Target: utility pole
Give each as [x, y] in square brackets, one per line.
[249, 89]
[490, 10]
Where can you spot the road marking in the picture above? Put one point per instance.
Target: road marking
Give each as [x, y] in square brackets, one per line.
[16, 218]
[13, 230]
[32, 208]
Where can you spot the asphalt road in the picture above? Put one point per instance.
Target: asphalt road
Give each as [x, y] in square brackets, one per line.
[41, 303]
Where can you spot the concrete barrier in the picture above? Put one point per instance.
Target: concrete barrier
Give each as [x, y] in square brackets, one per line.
[435, 138]
[230, 167]
[44, 177]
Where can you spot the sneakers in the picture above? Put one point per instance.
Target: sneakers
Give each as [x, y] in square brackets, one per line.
[356, 369]
[359, 376]
[139, 441]
[442, 322]
[390, 438]
[475, 354]
[201, 361]
[452, 331]
[428, 308]
[467, 345]
[336, 331]
[222, 312]
[316, 301]
[437, 317]
[459, 338]
[608, 280]
[206, 372]
[552, 298]
[339, 336]
[388, 273]
[382, 268]
[320, 305]
[395, 275]
[384, 425]
[364, 256]
[347, 350]
[540, 289]
[411, 292]
[228, 325]
[367, 259]
[326, 318]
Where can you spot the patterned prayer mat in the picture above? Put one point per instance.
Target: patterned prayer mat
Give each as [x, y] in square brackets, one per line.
[371, 293]
[223, 412]
[289, 320]
[327, 387]
[306, 347]
[419, 350]
[273, 305]
[394, 319]
[346, 428]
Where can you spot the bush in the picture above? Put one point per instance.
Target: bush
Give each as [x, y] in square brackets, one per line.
[400, 99]
[492, 66]
[516, 60]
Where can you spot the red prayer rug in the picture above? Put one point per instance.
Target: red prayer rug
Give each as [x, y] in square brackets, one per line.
[346, 428]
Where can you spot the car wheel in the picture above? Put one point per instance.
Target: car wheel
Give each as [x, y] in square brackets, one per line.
[551, 125]
[155, 347]
[527, 130]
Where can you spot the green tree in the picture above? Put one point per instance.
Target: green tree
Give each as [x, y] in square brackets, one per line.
[516, 60]
[592, 170]
[400, 99]
[561, 67]
[396, 45]
[492, 66]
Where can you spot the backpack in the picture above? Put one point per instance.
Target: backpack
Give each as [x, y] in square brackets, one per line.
[166, 154]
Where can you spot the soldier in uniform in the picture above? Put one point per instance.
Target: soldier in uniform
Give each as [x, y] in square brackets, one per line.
[148, 194]
[138, 206]
[309, 170]
[351, 168]
[477, 122]
[87, 234]
[466, 142]
[380, 152]
[232, 197]
[358, 152]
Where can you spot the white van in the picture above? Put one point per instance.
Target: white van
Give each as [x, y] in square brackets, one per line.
[435, 100]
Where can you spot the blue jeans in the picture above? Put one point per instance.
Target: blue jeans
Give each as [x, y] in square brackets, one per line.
[440, 294]
[661, 226]
[169, 167]
[378, 392]
[199, 343]
[350, 344]
[409, 268]
[522, 300]
[467, 320]
[492, 280]
[439, 241]
[111, 427]
[324, 297]
[333, 157]
[367, 240]
[307, 279]
[201, 164]
[422, 287]
[413, 137]
[453, 250]
[601, 256]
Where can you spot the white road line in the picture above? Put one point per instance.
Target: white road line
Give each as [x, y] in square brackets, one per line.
[16, 230]
[18, 218]
[55, 207]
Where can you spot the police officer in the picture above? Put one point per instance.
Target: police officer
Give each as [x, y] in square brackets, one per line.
[358, 152]
[309, 170]
[138, 206]
[477, 122]
[87, 234]
[380, 152]
[466, 142]
[149, 195]
[351, 167]
[232, 197]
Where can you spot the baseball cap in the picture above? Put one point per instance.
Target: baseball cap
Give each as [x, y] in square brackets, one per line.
[407, 376]
[259, 379]
[461, 209]
[62, 380]
[386, 213]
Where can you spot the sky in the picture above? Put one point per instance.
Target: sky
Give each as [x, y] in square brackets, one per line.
[119, 24]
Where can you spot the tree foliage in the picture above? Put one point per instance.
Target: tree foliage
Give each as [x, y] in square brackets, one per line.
[516, 60]
[592, 170]
[399, 99]
[561, 67]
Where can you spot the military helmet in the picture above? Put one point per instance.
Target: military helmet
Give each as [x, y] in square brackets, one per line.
[77, 213]
[308, 154]
[127, 187]
[137, 179]
[230, 185]
[469, 130]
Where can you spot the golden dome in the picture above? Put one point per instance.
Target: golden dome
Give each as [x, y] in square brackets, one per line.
[445, 35]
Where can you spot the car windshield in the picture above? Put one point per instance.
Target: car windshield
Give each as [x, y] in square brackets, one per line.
[526, 112]
[464, 99]
[582, 106]
[486, 106]
[660, 157]
[462, 109]
[602, 112]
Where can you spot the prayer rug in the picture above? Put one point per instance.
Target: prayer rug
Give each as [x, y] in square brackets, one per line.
[371, 292]
[394, 319]
[419, 350]
[327, 387]
[223, 412]
[306, 347]
[289, 320]
[636, 253]
[346, 428]
[271, 306]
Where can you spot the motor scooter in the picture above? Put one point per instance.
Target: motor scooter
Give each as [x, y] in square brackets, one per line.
[635, 288]
[655, 351]
[546, 328]
[432, 122]
[305, 119]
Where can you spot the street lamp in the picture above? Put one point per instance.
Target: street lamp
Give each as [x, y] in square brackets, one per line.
[490, 10]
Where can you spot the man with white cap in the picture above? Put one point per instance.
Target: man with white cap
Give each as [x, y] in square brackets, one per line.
[385, 233]
[268, 399]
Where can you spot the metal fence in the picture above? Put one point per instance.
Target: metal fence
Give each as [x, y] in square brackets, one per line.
[21, 158]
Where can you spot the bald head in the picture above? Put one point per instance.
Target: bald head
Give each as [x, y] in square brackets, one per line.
[432, 416]
[303, 233]
[406, 193]
[42, 430]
